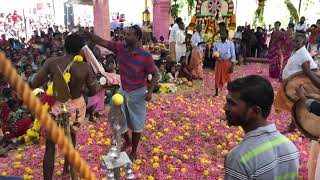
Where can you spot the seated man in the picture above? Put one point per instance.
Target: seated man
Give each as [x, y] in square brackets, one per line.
[264, 153]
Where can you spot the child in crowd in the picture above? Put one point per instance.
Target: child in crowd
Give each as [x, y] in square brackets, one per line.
[184, 71]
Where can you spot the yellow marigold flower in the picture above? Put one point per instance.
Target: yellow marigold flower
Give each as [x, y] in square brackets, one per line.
[219, 146]
[19, 156]
[67, 77]
[107, 141]
[155, 165]
[28, 170]
[4, 173]
[189, 150]
[138, 161]
[50, 90]
[150, 178]
[165, 157]
[78, 58]
[62, 161]
[185, 156]
[155, 158]
[180, 138]
[206, 173]
[168, 177]
[172, 170]
[165, 130]
[183, 170]
[156, 150]
[59, 173]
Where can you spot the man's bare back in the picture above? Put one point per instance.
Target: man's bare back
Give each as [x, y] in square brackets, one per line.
[81, 75]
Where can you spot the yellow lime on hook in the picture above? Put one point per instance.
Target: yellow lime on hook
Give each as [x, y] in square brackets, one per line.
[117, 99]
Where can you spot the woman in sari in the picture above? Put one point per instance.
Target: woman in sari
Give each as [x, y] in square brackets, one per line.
[196, 61]
[276, 51]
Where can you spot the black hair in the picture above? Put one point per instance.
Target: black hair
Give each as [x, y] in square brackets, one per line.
[179, 19]
[182, 58]
[254, 90]
[26, 66]
[301, 35]
[278, 22]
[74, 43]
[137, 31]
[291, 26]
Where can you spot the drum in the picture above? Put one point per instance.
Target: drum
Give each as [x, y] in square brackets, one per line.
[295, 81]
[307, 122]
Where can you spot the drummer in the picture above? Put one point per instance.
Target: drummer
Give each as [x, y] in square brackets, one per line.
[313, 105]
[294, 65]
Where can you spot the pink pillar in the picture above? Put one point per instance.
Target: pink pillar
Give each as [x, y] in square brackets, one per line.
[101, 18]
[161, 18]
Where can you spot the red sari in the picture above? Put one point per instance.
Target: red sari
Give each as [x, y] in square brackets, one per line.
[21, 125]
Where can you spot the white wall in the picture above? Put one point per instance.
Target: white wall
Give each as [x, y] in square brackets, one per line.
[131, 8]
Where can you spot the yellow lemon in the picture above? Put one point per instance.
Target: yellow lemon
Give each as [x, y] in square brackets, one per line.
[184, 170]
[117, 99]
[206, 173]
[4, 173]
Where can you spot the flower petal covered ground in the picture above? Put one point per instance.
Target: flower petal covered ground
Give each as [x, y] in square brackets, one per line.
[185, 138]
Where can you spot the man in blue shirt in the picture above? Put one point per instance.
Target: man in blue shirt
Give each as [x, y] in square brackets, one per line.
[226, 56]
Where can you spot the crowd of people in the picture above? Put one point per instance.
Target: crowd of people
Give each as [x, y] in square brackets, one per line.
[249, 99]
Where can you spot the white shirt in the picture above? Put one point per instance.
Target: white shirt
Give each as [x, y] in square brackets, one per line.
[296, 60]
[301, 27]
[173, 33]
[196, 38]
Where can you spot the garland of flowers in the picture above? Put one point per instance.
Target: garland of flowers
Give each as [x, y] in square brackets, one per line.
[32, 135]
[292, 10]
[259, 12]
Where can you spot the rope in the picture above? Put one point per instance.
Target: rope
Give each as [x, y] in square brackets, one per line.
[56, 134]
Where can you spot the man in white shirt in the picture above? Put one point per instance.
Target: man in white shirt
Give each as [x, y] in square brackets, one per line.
[298, 57]
[172, 38]
[196, 38]
[301, 27]
[294, 65]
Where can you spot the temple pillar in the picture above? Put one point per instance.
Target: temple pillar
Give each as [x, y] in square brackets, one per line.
[101, 18]
[161, 18]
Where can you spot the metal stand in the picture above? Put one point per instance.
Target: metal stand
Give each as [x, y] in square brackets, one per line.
[115, 159]
[64, 122]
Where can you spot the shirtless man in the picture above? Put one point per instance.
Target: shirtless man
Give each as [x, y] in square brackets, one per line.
[81, 76]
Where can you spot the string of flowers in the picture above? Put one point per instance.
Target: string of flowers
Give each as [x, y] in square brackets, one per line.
[32, 135]
[259, 13]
